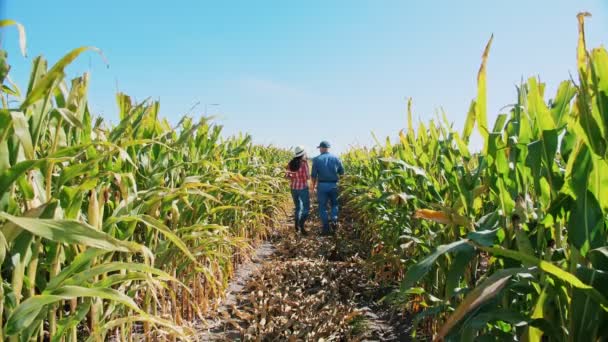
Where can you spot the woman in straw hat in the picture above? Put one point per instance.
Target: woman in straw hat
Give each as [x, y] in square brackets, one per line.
[297, 172]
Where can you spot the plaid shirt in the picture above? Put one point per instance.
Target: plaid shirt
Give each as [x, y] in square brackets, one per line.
[299, 179]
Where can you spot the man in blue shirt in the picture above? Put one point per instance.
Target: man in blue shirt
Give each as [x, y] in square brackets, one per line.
[326, 170]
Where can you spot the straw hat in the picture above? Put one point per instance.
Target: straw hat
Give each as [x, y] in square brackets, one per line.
[299, 151]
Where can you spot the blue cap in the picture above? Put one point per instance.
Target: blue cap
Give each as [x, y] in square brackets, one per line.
[324, 144]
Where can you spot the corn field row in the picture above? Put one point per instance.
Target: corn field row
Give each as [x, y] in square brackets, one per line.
[507, 243]
[107, 231]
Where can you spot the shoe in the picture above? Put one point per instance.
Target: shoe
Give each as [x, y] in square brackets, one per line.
[301, 225]
[333, 226]
[302, 230]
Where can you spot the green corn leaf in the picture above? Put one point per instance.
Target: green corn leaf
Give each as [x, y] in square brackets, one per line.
[80, 263]
[513, 317]
[3, 248]
[481, 105]
[480, 294]
[499, 123]
[38, 112]
[599, 258]
[457, 269]
[581, 50]
[410, 123]
[21, 130]
[417, 170]
[586, 218]
[157, 225]
[68, 116]
[86, 275]
[555, 271]
[537, 108]
[598, 181]
[523, 242]
[533, 333]
[587, 315]
[469, 124]
[588, 123]
[9, 176]
[121, 279]
[55, 74]
[72, 232]
[420, 269]
[182, 332]
[71, 321]
[25, 314]
[599, 58]
[560, 107]
[20, 29]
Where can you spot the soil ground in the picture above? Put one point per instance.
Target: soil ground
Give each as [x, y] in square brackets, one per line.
[305, 288]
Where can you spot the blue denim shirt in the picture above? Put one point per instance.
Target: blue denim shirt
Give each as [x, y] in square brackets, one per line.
[326, 168]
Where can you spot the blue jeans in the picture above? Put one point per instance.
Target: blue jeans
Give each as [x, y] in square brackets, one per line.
[327, 192]
[301, 199]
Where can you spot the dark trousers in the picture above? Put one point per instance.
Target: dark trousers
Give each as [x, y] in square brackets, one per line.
[327, 192]
[301, 200]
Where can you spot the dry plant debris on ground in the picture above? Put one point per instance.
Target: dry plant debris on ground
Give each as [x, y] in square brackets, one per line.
[308, 288]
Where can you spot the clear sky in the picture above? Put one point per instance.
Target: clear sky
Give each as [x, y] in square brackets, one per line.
[296, 72]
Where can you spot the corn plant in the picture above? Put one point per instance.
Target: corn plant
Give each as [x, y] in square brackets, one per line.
[509, 242]
[119, 229]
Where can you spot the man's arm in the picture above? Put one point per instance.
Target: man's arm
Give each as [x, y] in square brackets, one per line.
[313, 175]
[340, 167]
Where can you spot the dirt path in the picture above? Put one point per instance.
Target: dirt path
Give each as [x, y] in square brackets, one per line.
[307, 288]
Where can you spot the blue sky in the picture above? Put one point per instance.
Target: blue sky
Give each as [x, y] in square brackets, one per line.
[297, 72]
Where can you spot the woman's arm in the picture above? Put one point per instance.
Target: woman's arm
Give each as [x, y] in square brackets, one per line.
[288, 172]
[308, 178]
[313, 175]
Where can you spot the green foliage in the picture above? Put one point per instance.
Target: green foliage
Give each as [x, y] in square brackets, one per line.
[510, 241]
[108, 228]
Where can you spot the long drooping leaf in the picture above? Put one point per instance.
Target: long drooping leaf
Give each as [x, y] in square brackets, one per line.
[481, 293]
[183, 332]
[8, 176]
[25, 314]
[81, 278]
[417, 170]
[54, 75]
[416, 272]
[72, 232]
[587, 315]
[548, 267]
[20, 29]
[71, 321]
[80, 263]
[69, 117]
[161, 227]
